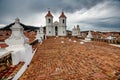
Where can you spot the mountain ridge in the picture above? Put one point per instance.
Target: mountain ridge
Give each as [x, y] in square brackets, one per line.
[26, 27]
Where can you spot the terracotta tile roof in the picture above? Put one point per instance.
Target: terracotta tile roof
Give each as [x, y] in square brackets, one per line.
[3, 45]
[49, 14]
[10, 72]
[69, 60]
[99, 75]
[62, 15]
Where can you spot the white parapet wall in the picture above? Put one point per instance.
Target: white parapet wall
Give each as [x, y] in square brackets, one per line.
[24, 67]
[21, 54]
[18, 43]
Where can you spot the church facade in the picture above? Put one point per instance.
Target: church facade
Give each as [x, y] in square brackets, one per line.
[76, 31]
[55, 28]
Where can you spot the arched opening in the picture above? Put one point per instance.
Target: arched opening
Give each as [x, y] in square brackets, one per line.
[44, 36]
[63, 21]
[56, 30]
[49, 20]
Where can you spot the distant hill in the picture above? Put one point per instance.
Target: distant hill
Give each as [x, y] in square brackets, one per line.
[26, 27]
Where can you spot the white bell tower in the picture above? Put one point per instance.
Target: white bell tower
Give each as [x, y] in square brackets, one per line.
[62, 21]
[49, 24]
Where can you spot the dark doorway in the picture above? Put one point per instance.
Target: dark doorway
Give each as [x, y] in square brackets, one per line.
[44, 36]
[49, 21]
[56, 30]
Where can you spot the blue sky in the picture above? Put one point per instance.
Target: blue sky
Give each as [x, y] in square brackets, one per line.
[101, 15]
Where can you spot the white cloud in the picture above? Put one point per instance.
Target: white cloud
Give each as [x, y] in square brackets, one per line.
[2, 25]
[106, 12]
[101, 10]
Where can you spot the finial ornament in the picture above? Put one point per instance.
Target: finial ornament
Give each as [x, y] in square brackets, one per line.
[48, 9]
[62, 10]
[17, 20]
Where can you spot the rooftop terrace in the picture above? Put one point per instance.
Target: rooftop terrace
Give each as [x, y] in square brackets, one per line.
[64, 59]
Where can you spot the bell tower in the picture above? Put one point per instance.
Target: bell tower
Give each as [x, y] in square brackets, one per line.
[49, 23]
[62, 21]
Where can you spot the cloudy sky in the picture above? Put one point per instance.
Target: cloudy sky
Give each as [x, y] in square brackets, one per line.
[101, 15]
